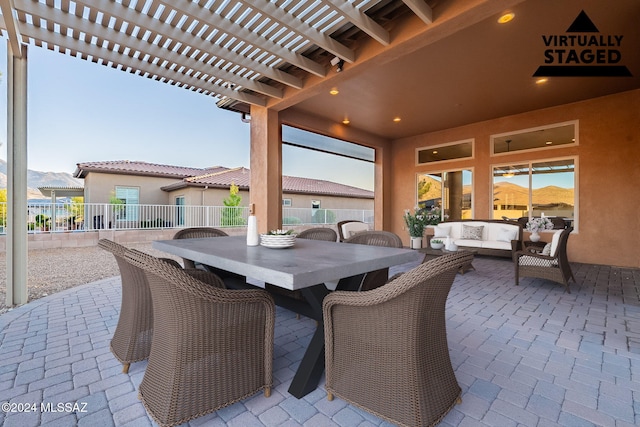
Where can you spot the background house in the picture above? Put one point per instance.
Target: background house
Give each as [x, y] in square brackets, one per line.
[146, 183]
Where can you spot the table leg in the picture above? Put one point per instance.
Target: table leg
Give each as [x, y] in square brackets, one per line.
[311, 366]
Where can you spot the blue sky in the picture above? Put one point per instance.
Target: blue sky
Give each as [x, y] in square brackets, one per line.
[79, 111]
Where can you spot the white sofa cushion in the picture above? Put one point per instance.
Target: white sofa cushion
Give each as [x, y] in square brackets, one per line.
[441, 231]
[470, 243]
[496, 244]
[507, 234]
[554, 242]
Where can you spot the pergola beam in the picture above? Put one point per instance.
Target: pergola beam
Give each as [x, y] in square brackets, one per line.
[324, 41]
[11, 25]
[362, 21]
[420, 8]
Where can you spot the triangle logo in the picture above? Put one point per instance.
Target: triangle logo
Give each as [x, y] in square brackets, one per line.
[582, 24]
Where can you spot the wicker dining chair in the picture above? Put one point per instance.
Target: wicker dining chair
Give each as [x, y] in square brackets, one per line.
[394, 361]
[212, 346]
[197, 233]
[553, 266]
[318, 233]
[132, 338]
[377, 278]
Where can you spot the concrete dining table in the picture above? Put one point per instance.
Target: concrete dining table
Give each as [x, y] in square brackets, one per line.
[306, 266]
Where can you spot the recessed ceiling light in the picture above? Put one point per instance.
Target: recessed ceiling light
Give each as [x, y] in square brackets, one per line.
[334, 91]
[435, 151]
[396, 119]
[346, 121]
[507, 17]
[542, 80]
[549, 142]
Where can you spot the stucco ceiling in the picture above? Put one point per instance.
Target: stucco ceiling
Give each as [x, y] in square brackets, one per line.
[481, 72]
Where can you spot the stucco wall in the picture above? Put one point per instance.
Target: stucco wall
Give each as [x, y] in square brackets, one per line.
[100, 186]
[608, 172]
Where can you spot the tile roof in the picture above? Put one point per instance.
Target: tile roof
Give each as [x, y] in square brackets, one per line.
[218, 177]
[290, 184]
[128, 167]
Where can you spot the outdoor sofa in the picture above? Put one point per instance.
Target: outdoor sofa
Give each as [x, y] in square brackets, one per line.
[487, 237]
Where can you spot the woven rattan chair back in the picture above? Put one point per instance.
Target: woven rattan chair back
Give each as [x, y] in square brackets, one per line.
[197, 233]
[555, 268]
[340, 230]
[212, 346]
[132, 338]
[375, 279]
[319, 233]
[394, 361]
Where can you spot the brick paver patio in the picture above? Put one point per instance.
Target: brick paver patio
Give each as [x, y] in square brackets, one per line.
[524, 356]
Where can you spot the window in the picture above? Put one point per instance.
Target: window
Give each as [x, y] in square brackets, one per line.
[450, 191]
[451, 151]
[540, 138]
[286, 202]
[315, 204]
[129, 197]
[535, 188]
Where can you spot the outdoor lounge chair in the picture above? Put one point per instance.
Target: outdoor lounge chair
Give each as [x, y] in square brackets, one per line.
[132, 338]
[211, 347]
[552, 266]
[394, 361]
[377, 278]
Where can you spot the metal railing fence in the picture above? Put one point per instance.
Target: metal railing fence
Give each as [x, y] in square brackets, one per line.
[59, 217]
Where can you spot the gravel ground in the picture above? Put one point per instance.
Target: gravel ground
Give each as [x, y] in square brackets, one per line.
[53, 270]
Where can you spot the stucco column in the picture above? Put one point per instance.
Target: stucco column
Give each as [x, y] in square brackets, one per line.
[383, 210]
[265, 191]
[16, 177]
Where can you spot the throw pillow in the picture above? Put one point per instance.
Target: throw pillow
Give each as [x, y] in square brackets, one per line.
[506, 235]
[441, 231]
[547, 249]
[472, 233]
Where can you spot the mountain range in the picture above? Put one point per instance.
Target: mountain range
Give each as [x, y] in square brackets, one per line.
[37, 179]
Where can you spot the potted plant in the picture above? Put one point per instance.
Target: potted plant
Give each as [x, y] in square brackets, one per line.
[437, 243]
[415, 225]
[535, 225]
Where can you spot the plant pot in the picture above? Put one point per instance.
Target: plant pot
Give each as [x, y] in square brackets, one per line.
[416, 242]
[535, 237]
[437, 245]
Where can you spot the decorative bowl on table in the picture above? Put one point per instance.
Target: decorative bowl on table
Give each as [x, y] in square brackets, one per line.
[278, 239]
[437, 244]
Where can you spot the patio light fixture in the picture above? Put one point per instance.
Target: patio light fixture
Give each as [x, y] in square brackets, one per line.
[506, 17]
